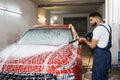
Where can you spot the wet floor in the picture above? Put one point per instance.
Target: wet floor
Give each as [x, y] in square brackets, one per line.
[87, 71]
[87, 59]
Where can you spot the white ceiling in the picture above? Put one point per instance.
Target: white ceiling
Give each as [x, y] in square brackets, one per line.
[69, 6]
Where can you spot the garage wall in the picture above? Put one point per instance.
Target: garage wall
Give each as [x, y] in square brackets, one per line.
[43, 16]
[12, 25]
[101, 10]
[113, 18]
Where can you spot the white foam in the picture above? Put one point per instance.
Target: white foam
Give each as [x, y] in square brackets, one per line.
[21, 51]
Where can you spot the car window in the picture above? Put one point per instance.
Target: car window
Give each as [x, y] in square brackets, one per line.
[46, 37]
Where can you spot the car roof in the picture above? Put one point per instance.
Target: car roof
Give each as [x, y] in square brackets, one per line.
[50, 26]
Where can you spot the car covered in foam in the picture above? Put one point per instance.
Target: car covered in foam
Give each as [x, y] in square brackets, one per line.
[42, 53]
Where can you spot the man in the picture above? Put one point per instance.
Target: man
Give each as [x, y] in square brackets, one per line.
[101, 43]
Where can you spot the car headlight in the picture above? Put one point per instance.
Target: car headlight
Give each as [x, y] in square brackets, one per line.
[67, 66]
[73, 63]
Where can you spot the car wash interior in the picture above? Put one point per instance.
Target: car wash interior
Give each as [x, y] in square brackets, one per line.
[19, 15]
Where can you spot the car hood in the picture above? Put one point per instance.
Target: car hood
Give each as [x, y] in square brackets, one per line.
[22, 51]
[36, 55]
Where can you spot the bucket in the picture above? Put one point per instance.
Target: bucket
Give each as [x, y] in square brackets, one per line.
[119, 55]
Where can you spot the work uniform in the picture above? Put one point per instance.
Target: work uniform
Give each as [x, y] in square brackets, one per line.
[102, 54]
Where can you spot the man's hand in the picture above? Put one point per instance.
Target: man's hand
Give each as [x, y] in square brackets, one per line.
[91, 44]
[82, 39]
[75, 35]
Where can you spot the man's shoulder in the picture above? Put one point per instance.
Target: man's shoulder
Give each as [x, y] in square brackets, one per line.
[105, 25]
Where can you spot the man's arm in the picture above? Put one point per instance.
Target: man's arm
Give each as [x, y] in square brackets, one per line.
[92, 44]
[75, 35]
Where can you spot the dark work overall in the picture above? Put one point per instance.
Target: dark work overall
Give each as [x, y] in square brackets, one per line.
[102, 61]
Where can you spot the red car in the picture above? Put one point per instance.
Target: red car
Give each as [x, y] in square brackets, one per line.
[42, 53]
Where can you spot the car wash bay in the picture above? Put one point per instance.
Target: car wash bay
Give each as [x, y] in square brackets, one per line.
[25, 14]
[81, 11]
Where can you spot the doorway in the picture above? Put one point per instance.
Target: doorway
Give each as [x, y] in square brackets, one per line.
[80, 24]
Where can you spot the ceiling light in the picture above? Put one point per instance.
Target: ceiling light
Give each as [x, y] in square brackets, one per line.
[41, 19]
[55, 18]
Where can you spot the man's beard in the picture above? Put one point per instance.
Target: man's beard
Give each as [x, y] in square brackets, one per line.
[94, 25]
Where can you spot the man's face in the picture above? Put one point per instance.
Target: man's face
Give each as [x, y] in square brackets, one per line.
[92, 21]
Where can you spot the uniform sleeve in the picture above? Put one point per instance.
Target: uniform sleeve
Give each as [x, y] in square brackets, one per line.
[97, 33]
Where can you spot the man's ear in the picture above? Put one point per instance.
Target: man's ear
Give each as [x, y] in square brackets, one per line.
[96, 19]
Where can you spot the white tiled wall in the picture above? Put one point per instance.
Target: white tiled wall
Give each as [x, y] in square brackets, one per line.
[12, 25]
[113, 18]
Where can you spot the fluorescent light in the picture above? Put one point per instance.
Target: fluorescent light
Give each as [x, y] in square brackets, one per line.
[2, 8]
[13, 11]
[10, 10]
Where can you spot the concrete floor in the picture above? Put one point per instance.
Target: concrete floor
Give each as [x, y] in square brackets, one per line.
[87, 59]
[87, 71]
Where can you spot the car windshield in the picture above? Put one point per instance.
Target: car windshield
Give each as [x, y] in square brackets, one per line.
[46, 36]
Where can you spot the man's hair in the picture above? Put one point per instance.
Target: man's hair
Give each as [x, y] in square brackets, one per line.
[95, 14]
